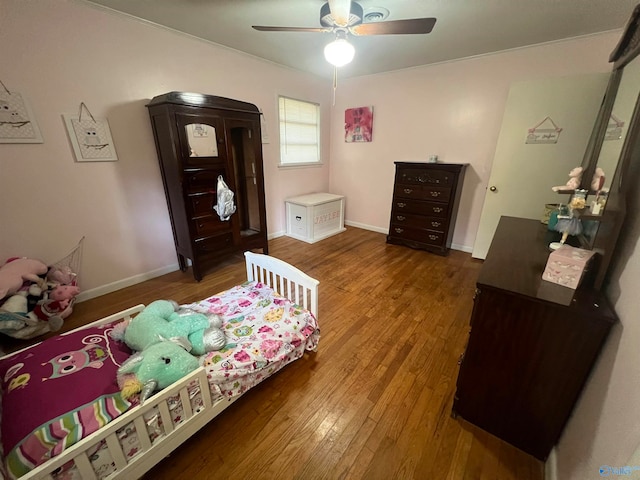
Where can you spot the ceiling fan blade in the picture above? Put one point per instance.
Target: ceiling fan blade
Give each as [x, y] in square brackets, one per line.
[395, 27]
[291, 29]
[340, 11]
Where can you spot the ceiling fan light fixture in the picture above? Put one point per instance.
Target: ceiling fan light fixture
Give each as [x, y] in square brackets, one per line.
[339, 52]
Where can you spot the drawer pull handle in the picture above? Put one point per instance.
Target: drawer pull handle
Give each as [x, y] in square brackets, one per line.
[401, 205]
[298, 217]
[201, 225]
[401, 218]
[437, 209]
[196, 202]
[399, 230]
[435, 224]
[408, 190]
[435, 194]
[433, 237]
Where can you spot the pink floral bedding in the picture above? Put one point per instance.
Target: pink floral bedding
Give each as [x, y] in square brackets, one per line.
[264, 333]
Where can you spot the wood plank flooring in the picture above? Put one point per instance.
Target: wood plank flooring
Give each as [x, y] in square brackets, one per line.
[374, 402]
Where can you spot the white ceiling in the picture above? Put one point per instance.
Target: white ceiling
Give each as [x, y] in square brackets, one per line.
[464, 28]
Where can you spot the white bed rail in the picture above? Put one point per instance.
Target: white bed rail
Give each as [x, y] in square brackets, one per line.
[285, 279]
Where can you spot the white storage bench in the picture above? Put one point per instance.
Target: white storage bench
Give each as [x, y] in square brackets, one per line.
[315, 216]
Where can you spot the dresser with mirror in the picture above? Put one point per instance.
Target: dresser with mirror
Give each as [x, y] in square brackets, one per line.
[532, 343]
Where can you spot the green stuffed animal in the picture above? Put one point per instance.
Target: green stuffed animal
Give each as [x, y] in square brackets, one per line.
[155, 368]
[160, 320]
[163, 338]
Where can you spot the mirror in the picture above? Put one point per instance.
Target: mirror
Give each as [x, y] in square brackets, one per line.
[202, 140]
[618, 124]
[615, 116]
[612, 146]
[244, 165]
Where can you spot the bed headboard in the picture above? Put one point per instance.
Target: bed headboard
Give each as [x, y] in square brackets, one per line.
[285, 279]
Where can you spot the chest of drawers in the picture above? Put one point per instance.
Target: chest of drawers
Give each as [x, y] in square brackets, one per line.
[425, 204]
[532, 343]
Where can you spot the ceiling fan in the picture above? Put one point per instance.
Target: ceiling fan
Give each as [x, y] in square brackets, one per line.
[343, 17]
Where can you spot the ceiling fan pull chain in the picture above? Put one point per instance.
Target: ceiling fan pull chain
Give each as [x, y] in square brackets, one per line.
[335, 84]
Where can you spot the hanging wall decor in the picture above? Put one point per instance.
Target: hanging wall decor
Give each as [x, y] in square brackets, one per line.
[358, 124]
[544, 132]
[90, 137]
[17, 123]
[614, 128]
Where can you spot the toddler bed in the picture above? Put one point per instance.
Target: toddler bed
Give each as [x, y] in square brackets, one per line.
[269, 321]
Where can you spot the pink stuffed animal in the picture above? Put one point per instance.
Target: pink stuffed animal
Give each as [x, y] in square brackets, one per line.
[575, 176]
[60, 302]
[17, 271]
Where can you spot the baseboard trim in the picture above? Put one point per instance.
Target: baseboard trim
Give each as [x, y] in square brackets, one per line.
[364, 226]
[125, 282]
[462, 248]
[271, 236]
[551, 466]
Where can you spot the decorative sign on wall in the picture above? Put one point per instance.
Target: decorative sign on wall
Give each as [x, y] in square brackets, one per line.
[90, 137]
[544, 132]
[358, 124]
[17, 123]
[614, 128]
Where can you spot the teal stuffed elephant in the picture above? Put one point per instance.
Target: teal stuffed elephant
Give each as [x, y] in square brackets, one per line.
[161, 321]
[155, 368]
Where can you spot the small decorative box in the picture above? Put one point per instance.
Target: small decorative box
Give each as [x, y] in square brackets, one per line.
[566, 266]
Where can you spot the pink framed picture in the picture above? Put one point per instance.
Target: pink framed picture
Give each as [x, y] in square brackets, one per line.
[358, 124]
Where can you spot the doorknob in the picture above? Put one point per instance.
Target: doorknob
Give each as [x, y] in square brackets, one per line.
[493, 188]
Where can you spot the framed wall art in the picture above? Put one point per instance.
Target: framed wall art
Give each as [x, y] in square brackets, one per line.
[90, 137]
[358, 124]
[17, 123]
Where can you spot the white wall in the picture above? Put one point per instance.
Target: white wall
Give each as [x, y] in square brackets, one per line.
[58, 54]
[453, 110]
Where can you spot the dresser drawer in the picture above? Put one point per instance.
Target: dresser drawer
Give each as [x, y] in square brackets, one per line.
[438, 224]
[422, 176]
[423, 236]
[422, 192]
[208, 225]
[432, 209]
[202, 203]
[214, 244]
[203, 180]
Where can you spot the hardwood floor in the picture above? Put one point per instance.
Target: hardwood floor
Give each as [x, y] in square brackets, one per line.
[374, 402]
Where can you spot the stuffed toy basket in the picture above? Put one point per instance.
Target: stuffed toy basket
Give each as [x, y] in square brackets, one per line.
[65, 273]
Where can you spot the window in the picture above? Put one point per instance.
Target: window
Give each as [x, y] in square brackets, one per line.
[299, 132]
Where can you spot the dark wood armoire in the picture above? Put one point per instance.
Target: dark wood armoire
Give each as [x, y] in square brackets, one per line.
[199, 139]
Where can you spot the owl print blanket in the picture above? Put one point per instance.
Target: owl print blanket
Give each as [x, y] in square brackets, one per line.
[61, 391]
